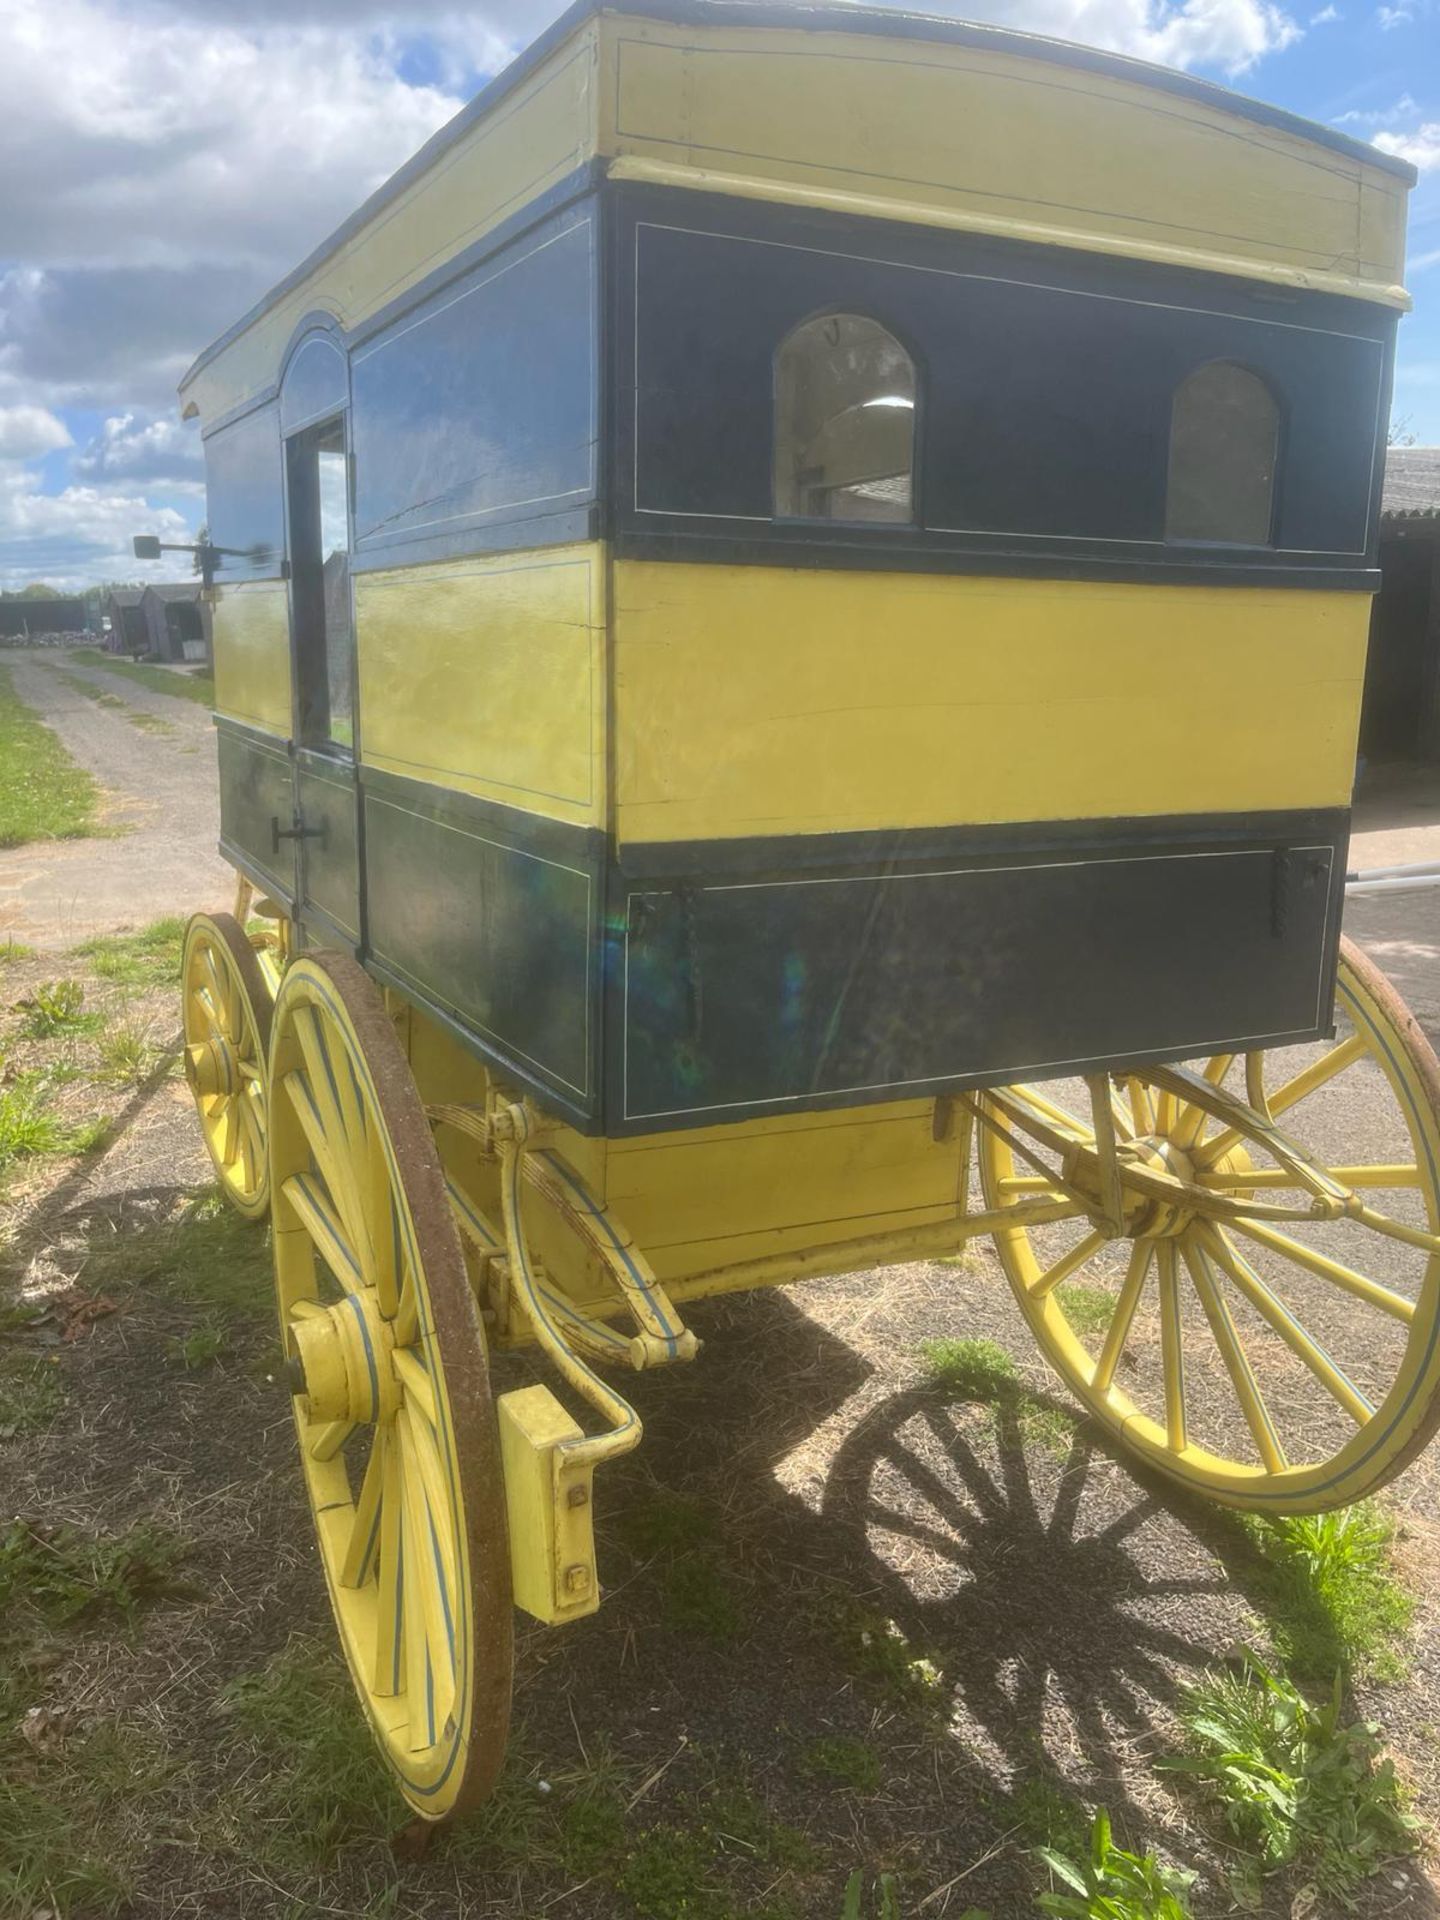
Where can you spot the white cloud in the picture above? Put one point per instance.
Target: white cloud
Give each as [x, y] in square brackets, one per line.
[158, 453]
[27, 432]
[1231, 35]
[1378, 116]
[1423, 262]
[1421, 148]
[78, 536]
[1325, 16]
[1392, 17]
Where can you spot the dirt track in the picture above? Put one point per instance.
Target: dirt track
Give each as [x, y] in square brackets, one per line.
[160, 802]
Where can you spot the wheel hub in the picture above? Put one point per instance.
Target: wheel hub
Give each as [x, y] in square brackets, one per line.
[341, 1360]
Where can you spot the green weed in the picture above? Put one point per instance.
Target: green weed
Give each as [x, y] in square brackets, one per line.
[12, 950]
[1112, 1884]
[29, 1126]
[207, 1258]
[1043, 1816]
[669, 1875]
[1329, 1592]
[200, 1347]
[44, 795]
[877, 1649]
[147, 958]
[56, 1574]
[125, 1055]
[839, 1761]
[1296, 1786]
[56, 1007]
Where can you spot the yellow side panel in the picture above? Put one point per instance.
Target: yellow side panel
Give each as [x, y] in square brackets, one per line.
[767, 700]
[693, 1200]
[252, 654]
[1024, 146]
[489, 675]
[544, 131]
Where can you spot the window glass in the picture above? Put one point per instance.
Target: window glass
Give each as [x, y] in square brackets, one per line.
[315, 383]
[844, 422]
[480, 404]
[244, 497]
[1224, 446]
[320, 583]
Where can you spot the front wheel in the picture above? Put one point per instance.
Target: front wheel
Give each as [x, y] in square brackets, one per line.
[1264, 1326]
[393, 1413]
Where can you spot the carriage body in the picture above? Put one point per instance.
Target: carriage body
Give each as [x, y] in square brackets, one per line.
[794, 565]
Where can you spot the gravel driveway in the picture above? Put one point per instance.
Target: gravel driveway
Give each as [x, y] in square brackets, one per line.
[160, 803]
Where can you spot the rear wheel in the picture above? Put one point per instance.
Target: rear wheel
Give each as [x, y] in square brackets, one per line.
[388, 1366]
[1264, 1325]
[226, 1004]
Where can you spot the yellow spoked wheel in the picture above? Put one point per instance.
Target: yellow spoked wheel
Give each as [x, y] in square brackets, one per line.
[227, 1001]
[388, 1367]
[1248, 1291]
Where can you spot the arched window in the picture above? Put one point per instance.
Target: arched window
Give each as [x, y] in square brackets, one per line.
[1224, 448]
[844, 422]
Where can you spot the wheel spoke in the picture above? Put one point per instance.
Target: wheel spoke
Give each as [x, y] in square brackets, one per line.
[1254, 1179]
[1192, 1120]
[1052, 1111]
[324, 1148]
[427, 1516]
[415, 1633]
[1269, 1306]
[359, 1561]
[220, 995]
[1326, 1068]
[1124, 1315]
[1069, 1263]
[1172, 1351]
[1141, 1105]
[1326, 1269]
[1237, 1364]
[326, 1084]
[321, 1222]
[419, 1388]
[329, 1439]
[390, 1611]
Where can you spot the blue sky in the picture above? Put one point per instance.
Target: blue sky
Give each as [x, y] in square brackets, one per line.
[162, 162]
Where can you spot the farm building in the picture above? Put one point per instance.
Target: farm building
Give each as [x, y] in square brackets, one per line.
[19, 617]
[177, 622]
[1401, 716]
[127, 622]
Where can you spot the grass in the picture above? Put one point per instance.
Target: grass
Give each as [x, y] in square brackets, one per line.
[317, 1780]
[207, 1259]
[979, 1370]
[182, 686]
[1297, 1787]
[1088, 1309]
[146, 722]
[697, 1593]
[126, 1055]
[28, 1126]
[836, 1760]
[56, 1008]
[30, 1394]
[75, 1827]
[200, 1347]
[1329, 1592]
[1043, 1816]
[53, 1575]
[147, 958]
[44, 795]
[1109, 1883]
[12, 950]
[877, 1649]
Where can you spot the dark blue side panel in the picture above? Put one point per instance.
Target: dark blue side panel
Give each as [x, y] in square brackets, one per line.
[479, 406]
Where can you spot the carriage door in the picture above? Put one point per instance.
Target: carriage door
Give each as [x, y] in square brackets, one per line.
[317, 488]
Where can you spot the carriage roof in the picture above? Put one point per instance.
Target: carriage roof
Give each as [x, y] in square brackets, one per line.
[869, 111]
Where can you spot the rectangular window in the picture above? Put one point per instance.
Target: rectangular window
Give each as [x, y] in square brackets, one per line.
[477, 407]
[243, 498]
[319, 487]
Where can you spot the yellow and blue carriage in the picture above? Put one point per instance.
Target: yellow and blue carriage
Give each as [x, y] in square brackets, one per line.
[790, 615]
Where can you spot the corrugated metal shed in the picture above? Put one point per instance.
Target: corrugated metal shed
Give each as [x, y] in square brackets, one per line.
[1412, 483]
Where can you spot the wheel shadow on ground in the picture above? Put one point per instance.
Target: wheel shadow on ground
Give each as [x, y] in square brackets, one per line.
[1066, 1599]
